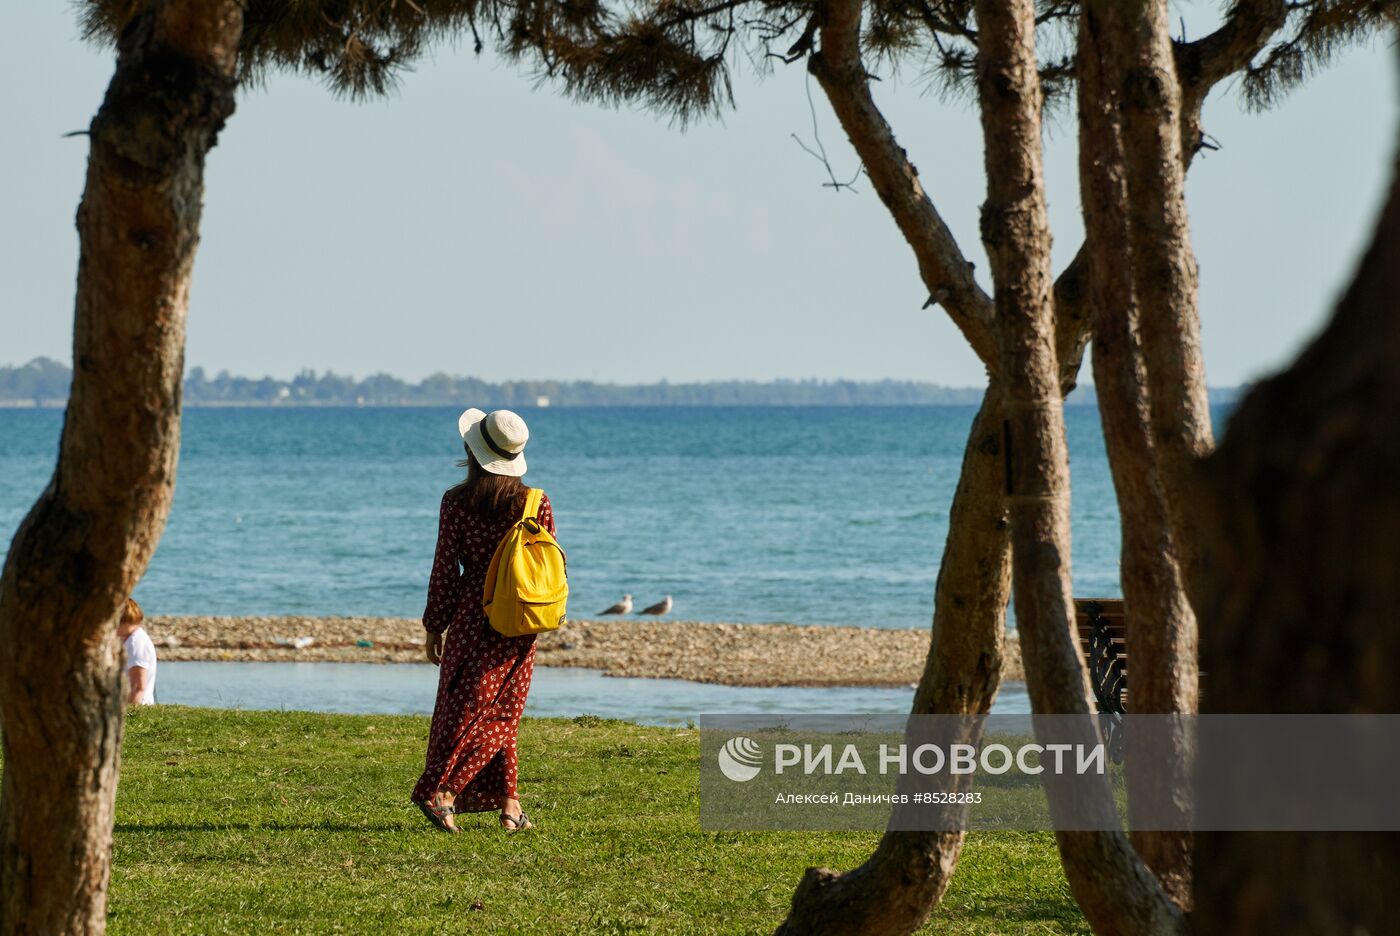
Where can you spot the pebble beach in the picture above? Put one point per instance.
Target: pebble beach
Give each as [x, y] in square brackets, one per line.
[726, 654]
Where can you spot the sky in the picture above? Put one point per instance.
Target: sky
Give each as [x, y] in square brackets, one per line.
[478, 223]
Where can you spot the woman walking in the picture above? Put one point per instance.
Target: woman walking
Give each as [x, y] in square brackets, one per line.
[484, 677]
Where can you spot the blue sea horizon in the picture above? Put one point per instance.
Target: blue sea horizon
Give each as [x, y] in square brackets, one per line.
[806, 515]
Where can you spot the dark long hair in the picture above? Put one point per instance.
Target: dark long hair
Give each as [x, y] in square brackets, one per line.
[495, 498]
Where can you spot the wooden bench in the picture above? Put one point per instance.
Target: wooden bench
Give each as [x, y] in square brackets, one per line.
[1103, 633]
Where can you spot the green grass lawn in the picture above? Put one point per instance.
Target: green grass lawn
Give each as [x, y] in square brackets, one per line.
[241, 822]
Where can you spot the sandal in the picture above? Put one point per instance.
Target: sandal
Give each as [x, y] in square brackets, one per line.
[516, 823]
[437, 815]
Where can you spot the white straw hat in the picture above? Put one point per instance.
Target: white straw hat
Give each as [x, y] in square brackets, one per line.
[498, 442]
[470, 417]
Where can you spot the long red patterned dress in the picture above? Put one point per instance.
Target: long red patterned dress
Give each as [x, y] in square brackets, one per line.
[484, 676]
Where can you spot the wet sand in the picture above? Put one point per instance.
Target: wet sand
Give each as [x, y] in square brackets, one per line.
[728, 654]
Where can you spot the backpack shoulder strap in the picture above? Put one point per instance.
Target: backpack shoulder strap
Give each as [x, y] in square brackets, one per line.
[532, 503]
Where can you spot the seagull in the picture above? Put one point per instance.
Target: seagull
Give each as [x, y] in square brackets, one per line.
[661, 607]
[622, 607]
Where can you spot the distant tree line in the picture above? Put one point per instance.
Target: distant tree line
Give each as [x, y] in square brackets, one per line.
[45, 381]
[42, 380]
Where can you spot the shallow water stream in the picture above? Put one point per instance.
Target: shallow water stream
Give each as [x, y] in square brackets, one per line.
[409, 688]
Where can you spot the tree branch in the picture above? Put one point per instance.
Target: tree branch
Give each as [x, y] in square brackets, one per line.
[1200, 66]
[945, 271]
[1203, 64]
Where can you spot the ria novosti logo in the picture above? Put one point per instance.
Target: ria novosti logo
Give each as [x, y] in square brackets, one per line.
[739, 759]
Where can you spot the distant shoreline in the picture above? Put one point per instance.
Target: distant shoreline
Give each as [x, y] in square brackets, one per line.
[44, 383]
[724, 654]
[1226, 396]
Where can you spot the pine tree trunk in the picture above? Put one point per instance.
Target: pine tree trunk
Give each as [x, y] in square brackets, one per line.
[898, 886]
[1299, 615]
[903, 880]
[1142, 72]
[1162, 636]
[1116, 891]
[88, 538]
[896, 889]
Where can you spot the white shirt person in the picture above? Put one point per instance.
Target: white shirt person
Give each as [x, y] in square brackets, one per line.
[140, 666]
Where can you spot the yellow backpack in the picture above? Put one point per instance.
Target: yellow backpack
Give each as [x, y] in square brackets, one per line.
[526, 584]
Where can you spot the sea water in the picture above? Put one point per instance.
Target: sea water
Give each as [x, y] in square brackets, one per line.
[830, 515]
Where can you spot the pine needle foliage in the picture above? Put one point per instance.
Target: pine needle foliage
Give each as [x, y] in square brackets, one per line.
[677, 57]
[361, 48]
[1315, 33]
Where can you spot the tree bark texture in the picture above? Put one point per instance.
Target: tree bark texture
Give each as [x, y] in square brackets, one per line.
[88, 538]
[1140, 69]
[1162, 638]
[1114, 888]
[1299, 615]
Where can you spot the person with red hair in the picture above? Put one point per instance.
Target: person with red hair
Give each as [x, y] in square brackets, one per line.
[140, 653]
